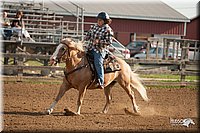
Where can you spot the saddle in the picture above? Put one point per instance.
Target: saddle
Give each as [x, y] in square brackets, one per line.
[110, 63]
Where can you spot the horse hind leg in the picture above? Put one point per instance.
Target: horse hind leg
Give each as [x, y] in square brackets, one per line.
[127, 88]
[108, 97]
[63, 89]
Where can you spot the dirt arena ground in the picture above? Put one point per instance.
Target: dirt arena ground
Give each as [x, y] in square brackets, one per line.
[25, 103]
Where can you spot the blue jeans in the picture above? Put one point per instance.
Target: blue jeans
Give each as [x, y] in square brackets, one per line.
[98, 63]
[6, 33]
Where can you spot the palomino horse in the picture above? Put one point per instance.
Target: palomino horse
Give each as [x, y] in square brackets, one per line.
[79, 76]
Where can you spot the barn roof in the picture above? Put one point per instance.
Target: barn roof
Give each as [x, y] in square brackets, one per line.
[131, 9]
[125, 9]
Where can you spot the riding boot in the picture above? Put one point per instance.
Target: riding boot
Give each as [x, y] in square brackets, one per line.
[99, 86]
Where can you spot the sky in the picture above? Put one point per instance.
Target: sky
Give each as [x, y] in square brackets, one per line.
[186, 7]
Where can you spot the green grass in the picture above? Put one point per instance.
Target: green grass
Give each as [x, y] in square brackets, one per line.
[37, 63]
[172, 87]
[168, 76]
[33, 63]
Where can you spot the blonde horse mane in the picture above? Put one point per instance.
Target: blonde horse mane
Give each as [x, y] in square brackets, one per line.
[72, 44]
[79, 46]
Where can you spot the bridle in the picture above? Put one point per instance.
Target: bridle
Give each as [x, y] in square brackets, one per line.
[68, 58]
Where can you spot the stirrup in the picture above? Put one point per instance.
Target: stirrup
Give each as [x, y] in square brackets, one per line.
[97, 85]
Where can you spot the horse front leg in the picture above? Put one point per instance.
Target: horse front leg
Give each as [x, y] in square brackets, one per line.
[81, 95]
[63, 89]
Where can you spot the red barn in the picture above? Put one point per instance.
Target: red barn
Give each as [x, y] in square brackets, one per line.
[193, 29]
[132, 20]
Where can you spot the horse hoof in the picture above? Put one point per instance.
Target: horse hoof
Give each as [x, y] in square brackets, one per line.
[137, 114]
[69, 112]
[77, 114]
[128, 112]
[103, 112]
[49, 111]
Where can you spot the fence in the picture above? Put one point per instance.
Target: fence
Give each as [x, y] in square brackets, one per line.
[21, 53]
[184, 56]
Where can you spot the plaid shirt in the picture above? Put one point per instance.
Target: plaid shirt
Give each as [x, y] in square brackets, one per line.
[104, 34]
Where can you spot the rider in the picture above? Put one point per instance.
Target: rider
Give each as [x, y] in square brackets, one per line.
[99, 37]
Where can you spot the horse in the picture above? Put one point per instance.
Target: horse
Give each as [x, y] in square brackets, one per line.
[78, 75]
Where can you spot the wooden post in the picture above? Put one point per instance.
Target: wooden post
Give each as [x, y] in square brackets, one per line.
[6, 58]
[167, 50]
[147, 50]
[45, 72]
[177, 49]
[157, 50]
[24, 49]
[183, 65]
[195, 50]
[164, 45]
[19, 63]
[187, 51]
[82, 24]
[62, 26]
[174, 50]
[182, 49]
[77, 20]
[183, 74]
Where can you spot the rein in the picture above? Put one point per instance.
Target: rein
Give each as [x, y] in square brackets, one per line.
[72, 71]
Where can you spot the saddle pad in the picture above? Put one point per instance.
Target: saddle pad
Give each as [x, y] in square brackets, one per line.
[111, 65]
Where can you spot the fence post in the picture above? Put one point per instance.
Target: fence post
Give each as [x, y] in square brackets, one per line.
[183, 65]
[167, 50]
[147, 50]
[174, 50]
[19, 63]
[164, 49]
[6, 58]
[183, 75]
[157, 49]
[177, 49]
[195, 50]
[47, 71]
[62, 28]
[187, 51]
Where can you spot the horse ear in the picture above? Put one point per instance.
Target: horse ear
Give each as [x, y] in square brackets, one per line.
[67, 41]
[63, 41]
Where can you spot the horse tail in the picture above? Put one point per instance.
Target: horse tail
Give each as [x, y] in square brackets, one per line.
[136, 83]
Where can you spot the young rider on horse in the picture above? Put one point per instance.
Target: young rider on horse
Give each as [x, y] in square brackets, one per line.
[99, 37]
